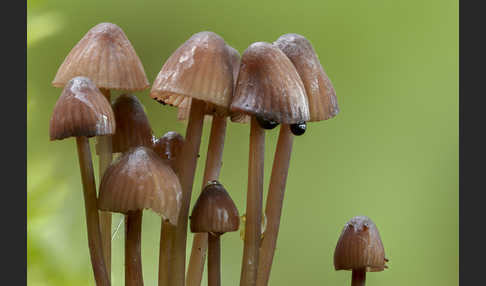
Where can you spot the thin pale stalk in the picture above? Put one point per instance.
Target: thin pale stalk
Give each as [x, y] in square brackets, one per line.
[91, 210]
[211, 172]
[214, 260]
[253, 205]
[358, 277]
[133, 246]
[275, 198]
[187, 167]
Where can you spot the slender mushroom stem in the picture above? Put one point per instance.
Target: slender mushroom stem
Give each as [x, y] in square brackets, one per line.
[91, 209]
[187, 165]
[358, 277]
[166, 250]
[275, 197]
[211, 172]
[105, 158]
[133, 242]
[214, 260]
[253, 205]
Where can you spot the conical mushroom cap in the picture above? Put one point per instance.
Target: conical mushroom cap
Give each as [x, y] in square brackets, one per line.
[320, 91]
[81, 110]
[107, 57]
[133, 128]
[200, 68]
[214, 211]
[269, 86]
[360, 247]
[169, 147]
[138, 180]
[237, 117]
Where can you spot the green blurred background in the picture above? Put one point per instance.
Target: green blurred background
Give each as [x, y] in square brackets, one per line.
[391, 154]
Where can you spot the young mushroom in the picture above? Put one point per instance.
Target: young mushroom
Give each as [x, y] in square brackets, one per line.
[214, 213]
[270, 90]
[360, 250]
[322, 106]
[199, 70]
[106, 56]
[82, 112]
[139, 180]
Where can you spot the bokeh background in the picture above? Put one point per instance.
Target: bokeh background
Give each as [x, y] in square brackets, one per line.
[391, 154]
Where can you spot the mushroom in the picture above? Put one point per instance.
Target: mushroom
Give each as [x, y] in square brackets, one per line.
[82, 112]
[139, 180]
[322, 106]
[106, 56]
[360, 249]
[214, 213]
[200, 71]
[271, 91]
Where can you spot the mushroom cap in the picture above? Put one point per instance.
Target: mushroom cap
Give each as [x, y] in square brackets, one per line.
[200, 68]
[269, 86]
[133, 127]
[214, 211]
[139, 180]
[319, 89]
[107, 57]
[237, 117]
[169, 147]
[81, 110]
[360, 247]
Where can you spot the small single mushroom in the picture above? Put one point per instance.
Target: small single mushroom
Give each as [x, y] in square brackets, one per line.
[360, 249]
[82, 111]
[199, 70]
[139, 180]
[268, 87]
[214, 213]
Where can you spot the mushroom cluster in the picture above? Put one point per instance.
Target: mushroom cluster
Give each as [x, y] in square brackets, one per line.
[271, 84]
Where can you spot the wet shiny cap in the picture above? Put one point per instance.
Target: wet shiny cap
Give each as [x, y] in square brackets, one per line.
[214, 211]
[269, 86]
[360, 247]
[133, 128]
[169, 147]
[81, 110]
[138, 180]
[319, 89]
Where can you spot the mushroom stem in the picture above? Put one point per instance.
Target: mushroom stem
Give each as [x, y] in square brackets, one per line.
[275, 197]
[91, 210]
[105, 157]
[358, 277]
[253, 205]
[211, 172]
[133, 256]
[187, 166]
[214, 260]
[165, 252]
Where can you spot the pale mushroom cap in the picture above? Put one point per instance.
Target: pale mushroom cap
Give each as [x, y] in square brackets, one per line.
[81, 110]
[320, 91]
[139, 180]
[237, 117]
[107, 57]
[200, 68]
[133, 127]
[360, 247]
[269, 86]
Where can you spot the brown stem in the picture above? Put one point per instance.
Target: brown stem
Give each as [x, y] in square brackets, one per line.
[253, 205]
[358, 277]
[273, 209]
[166, 250]
[91, 210]
[211, 172]
[214, 260]
[187, 167]
[133, 245]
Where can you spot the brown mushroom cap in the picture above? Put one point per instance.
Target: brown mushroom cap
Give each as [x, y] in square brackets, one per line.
[200, 68]
[320, 91]
[138, 180]
[81, 110]
[169, 147]
[214, 211]
[133, 127]
[360, 247]
[107, 57]
[269, 86]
